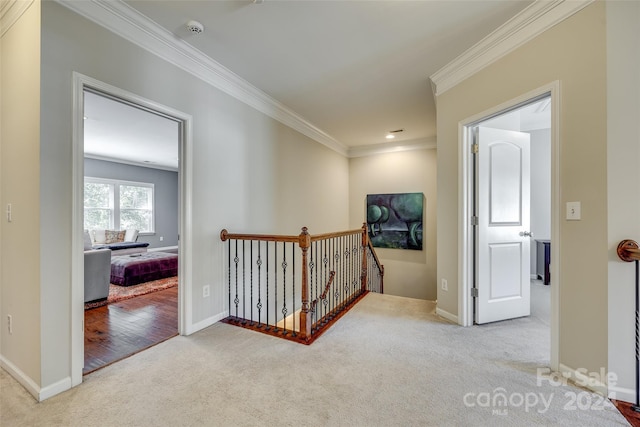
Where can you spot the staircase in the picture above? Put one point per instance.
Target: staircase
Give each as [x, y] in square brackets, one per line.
[296, 287]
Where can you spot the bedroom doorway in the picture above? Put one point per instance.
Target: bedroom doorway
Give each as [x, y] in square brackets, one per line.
[131, 181]
[542, 99]
[131, 174]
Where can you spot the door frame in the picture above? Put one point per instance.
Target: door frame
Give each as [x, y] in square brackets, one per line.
[185, 177]
[465, 210]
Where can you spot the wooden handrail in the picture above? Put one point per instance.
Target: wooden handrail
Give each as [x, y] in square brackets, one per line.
[628, 250]
[375, 255]
[332, 275]
[225, 235]
[336, 234]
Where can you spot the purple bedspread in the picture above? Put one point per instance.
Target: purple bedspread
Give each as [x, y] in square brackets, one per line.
[130, 270]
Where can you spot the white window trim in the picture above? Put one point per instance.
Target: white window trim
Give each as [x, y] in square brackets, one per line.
[116, 199]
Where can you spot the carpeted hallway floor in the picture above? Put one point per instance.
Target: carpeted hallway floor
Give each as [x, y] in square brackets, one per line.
[389, 362]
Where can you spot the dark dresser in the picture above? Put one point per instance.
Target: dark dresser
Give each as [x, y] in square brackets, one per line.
[543, 258]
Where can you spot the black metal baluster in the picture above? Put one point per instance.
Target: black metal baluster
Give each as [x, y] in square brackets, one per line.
[357, 264]
[293, 285]
[354, 257]
[259, 305]
[236, 260]
[275, 286]
[335, 280]
[339, 287]
[267, 309]
[229, 273]
[636, 407]
[325, 278]
[284, 286]
[251, 281]
[345, 263]
[244, 281]
[315, 263]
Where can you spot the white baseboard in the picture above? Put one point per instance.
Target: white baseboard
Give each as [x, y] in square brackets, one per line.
[195, 327]
[34, 389]
[56, 388]
[584, 379]
[621, 393]
[450, 317]
[21, 377]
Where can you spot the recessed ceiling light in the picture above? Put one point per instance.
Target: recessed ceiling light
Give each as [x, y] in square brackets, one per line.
[392, 133]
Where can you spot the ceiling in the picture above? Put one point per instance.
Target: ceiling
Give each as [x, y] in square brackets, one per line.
[117, 131]
[354, 69]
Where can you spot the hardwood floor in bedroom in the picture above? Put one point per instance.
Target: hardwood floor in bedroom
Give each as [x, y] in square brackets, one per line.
[116, 331]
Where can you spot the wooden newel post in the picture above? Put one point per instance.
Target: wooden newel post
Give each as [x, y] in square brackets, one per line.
[305, 315]
[363, 273]
[628, 251]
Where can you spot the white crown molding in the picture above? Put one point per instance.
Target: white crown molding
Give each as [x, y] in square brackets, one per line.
[529, 23]
[135, 27]
[10, 12]
[395, 147]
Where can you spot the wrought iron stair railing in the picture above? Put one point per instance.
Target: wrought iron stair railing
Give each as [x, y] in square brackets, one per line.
[296, 287]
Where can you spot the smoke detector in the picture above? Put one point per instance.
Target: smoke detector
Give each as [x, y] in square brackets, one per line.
[195, 27]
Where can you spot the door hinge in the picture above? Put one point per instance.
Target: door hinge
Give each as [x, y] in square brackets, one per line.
[474, 292]
[474, 148]
[474, 220]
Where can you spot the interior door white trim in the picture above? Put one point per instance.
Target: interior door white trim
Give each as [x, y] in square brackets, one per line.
[185, 318]
[465, 187]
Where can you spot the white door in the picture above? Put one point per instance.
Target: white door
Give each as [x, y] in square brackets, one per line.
[503, 233]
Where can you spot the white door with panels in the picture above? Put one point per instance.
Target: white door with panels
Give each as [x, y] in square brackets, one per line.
[503, 225]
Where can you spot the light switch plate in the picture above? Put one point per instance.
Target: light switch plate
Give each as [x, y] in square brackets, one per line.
[573, 211]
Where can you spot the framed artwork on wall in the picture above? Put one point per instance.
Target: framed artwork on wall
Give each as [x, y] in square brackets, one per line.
[395, 220]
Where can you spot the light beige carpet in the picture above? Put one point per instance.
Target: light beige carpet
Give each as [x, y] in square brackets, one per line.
[389, 362]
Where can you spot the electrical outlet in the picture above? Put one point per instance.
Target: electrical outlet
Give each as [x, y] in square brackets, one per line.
[10, 323]
[444, 285]
[161, 238]
[206, 291]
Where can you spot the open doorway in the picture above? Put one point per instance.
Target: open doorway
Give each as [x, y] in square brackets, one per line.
[180, 246]
[533, 219]
[512, 201]
[131, 175]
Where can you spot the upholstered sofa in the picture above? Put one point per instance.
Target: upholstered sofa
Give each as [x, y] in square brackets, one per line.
[97, 274]
[122, 242]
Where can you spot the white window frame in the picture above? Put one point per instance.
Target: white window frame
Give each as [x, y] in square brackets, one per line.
[115, 193]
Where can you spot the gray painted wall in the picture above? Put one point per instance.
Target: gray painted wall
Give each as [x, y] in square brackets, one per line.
[165, 195]
[250, 174]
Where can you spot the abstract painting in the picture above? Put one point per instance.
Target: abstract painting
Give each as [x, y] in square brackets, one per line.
[395, 220]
